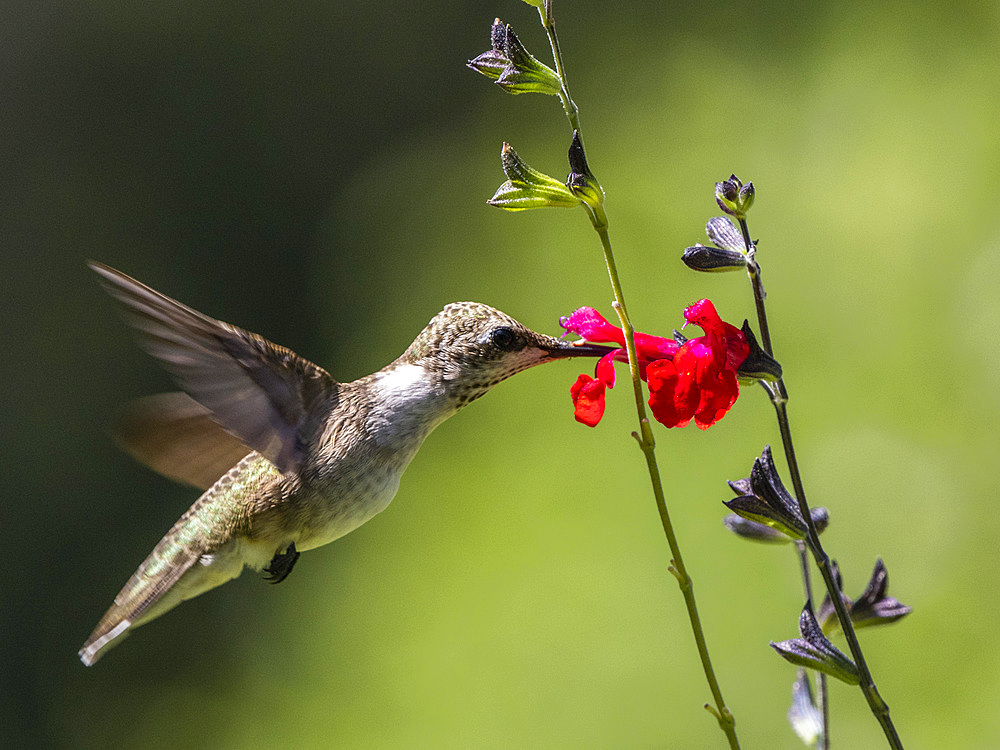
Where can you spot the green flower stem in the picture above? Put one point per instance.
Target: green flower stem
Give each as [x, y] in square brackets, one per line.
[648, 445]
[779, 398]
[645, 435]
[549, 23]
[800, 550]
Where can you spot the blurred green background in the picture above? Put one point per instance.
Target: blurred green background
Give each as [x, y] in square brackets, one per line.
[317, 172]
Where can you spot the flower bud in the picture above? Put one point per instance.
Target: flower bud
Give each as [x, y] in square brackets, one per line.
[759, 532]
[581, 180]
[723, 233]
[712, 259]
[873, 607]
[814, 651]
[759, 365]
[768, 503]
[512, 67]
[826, 615]
[528, 188]
[727, 253]
[492, 62]
[734, 197]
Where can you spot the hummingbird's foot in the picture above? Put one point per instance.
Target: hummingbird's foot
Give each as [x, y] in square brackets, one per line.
[281, 564]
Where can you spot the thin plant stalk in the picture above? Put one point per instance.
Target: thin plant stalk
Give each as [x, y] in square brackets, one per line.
[824, 701]
[648, 445]
[779, 398]
[822, 694]
[644, 437]
[549, 24]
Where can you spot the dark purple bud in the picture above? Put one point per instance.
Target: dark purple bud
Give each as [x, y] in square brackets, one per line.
[713, 259]
[770, 503]
[759, 365]
[875, 606]
[814, 651]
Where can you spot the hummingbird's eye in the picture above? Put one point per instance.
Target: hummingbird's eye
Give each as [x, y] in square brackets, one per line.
[503, 338]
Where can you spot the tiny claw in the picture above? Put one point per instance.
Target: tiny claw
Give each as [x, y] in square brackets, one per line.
[281, 564]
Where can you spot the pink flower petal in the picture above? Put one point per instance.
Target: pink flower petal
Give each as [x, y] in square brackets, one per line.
[591, 325]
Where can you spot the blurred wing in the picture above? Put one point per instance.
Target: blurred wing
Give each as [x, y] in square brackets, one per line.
[175, 435]
[260, 392]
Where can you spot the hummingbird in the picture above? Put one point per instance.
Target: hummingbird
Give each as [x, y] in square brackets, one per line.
[288, 458]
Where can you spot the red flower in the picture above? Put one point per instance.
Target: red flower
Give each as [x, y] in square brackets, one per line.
[696, 380]
[588, 392]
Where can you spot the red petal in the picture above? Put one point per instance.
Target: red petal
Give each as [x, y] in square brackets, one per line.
[697, 384]
[605, 370]
[588, 400]
[591, 325]
[650, 348]
[702, 313]
[737, 348]
[716, 399]
[664, 388]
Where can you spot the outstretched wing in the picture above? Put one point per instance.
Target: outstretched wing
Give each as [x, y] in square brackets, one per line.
[260, 392]
[175, 435]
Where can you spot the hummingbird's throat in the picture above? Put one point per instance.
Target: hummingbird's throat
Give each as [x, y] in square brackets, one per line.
[406, 403]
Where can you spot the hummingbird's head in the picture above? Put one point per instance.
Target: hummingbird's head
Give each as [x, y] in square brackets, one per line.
[472, 347]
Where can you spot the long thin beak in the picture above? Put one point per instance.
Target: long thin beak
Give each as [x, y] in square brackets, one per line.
[559, 349]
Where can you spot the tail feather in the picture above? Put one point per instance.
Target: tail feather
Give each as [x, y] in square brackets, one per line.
[137, 601]
[204, 549]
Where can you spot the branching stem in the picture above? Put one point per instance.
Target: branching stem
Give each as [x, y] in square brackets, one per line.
[779, 398]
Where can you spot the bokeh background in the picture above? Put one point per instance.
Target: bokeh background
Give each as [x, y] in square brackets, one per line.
[317, 172]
